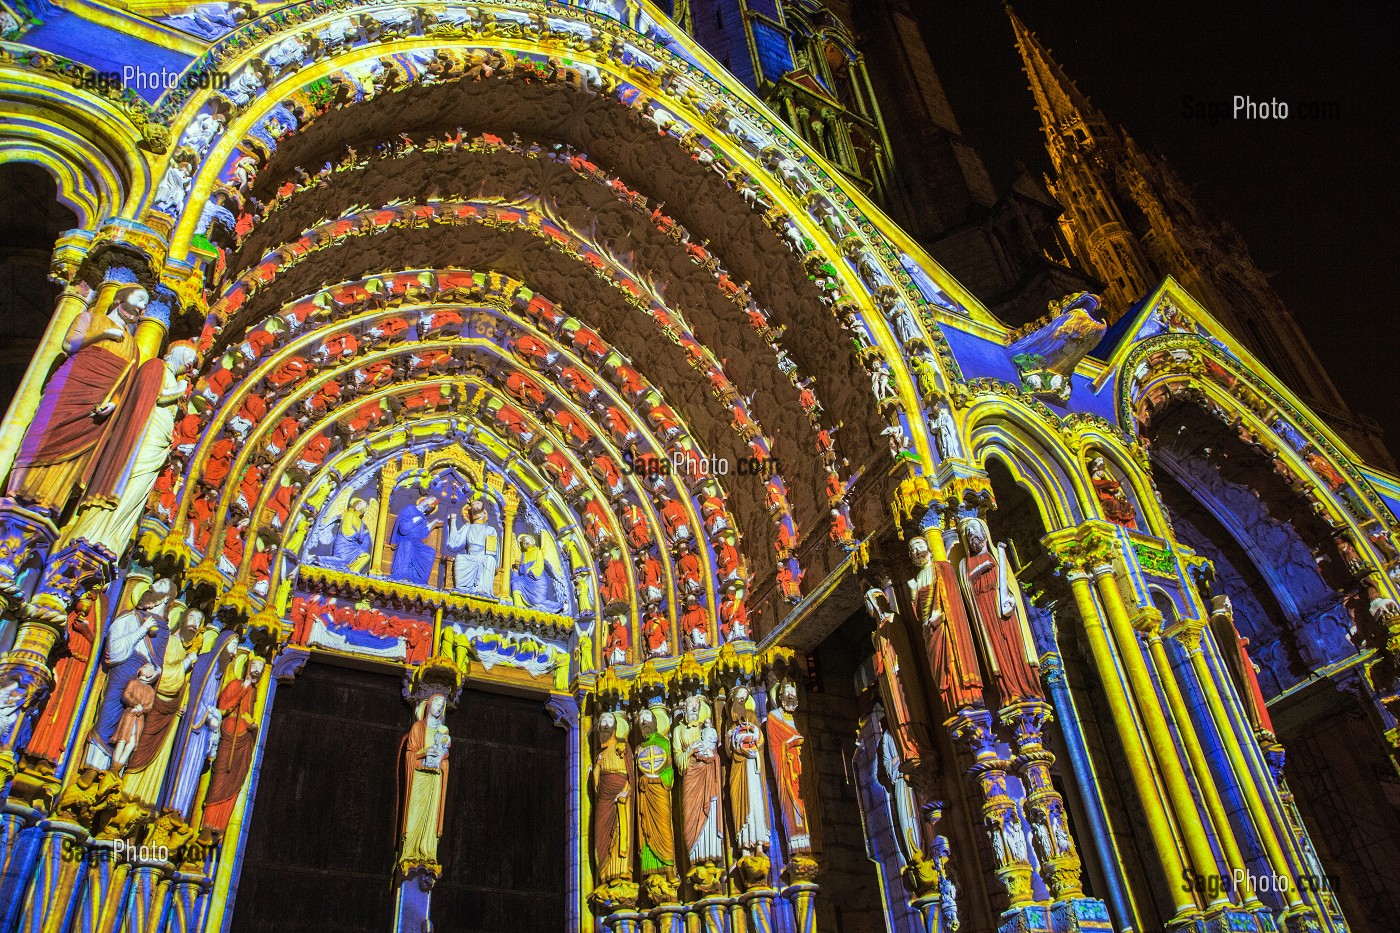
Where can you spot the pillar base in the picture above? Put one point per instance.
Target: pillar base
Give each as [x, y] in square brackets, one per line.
[668, 918]
[412, 901]
[1032, 918]
[758, 909]
[1080, 913]
[624, 921]
[930, 908]
[1300, 920]
[713, 913]
[803, 896]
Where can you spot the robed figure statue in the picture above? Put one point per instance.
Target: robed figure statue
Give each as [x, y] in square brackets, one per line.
[238, 739]
[655, 777]
[785, 749]
[74, 421]
[939, 610]
[425, 778]
[414, 557]
[897, 679]
[114, 502]
[697, 759]
[612, 779]
[994, 601]
[748, 798]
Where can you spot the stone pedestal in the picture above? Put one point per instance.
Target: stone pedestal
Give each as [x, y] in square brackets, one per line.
[413, 899]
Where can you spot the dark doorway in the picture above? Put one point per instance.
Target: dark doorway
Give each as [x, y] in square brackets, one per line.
[26, 246]
[505, 838]
[322, 843]
[321, 846]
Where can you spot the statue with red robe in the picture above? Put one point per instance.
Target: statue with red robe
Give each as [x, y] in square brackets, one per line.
[79, 425]
[785, 750]
[939, 610]
[994, 602]
[50, 735]
[238, 738]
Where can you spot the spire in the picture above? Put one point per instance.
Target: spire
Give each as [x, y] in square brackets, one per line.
[1061, 105]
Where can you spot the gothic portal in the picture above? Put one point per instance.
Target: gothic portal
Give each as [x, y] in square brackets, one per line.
[514, 466]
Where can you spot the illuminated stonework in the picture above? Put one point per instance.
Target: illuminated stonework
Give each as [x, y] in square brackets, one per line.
[519, 349]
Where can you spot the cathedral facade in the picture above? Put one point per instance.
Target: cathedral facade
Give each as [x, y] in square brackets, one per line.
[600, 466]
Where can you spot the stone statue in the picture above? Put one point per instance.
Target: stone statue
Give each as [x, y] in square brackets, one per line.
[655, 777]
[612, 779]
[414, 557]
[74, 420]
[425, 777]
[136, 638]
[137, 697]
[474, 566]
[199, 740]
[941, 615]
[748, 801]
[697, 759]
[110, 524]
[897, 677]
[146, 766]
[349, 538]
[994, 602]
[785, 750]
[49, 739]
[238, 738]
[945, 432]
[1116, 505]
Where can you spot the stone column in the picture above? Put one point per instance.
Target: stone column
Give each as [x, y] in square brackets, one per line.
[1073, 556]
[1149, 626]
[1297, 916]
[1001, 817]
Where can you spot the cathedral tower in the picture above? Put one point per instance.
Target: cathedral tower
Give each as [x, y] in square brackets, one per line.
[1130, 221]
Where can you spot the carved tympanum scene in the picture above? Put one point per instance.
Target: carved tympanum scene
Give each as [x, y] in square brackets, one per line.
[598, 466]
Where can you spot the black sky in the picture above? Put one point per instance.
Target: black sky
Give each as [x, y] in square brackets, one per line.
[1317, 200]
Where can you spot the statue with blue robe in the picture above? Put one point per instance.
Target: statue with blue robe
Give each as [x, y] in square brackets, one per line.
[349, 539]
[414, 557]
[198, 741]
[534, 583]
[135, 638]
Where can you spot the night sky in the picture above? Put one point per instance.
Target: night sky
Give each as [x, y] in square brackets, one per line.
[1317, 200]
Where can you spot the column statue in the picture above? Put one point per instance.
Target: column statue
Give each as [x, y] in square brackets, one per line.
[135, 638]
[49, 739]
[696, 748]
[115, 501]
[198, 741]
[656, 775]
[145, 770]
[785, 749]
[74, 419]
[748, 800]
[941, 615]
[994, 603]
[238, 738]
[896, 674]
[612, 778]
[425, 753]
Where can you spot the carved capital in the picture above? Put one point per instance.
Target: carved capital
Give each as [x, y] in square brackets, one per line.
[1188, 634]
